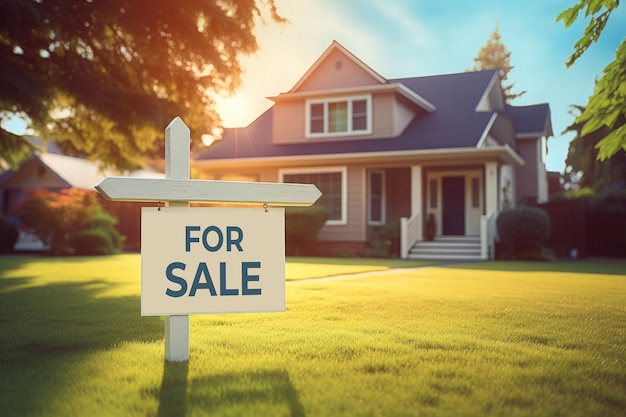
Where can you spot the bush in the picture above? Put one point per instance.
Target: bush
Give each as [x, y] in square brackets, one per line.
[384, 241]
[8, 236]
[302, 224]
[522, 232]
[56, 218]
[92, 242]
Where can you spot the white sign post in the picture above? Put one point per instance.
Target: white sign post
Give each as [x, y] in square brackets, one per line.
[175, 262]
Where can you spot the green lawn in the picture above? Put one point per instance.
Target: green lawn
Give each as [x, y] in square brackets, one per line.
[486, 339]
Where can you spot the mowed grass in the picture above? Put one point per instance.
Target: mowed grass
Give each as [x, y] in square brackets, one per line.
[486, 339]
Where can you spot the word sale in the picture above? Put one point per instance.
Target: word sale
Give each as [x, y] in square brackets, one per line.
[212, 239]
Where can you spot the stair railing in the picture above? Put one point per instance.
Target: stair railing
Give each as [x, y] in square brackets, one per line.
[488, 231]
[410, 233]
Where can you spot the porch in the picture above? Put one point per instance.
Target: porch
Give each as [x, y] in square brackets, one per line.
[452, 211]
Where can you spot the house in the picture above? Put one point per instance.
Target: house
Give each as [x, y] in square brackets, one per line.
[384, 149]
[54, 171]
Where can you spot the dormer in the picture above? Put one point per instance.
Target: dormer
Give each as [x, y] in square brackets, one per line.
[341, 98]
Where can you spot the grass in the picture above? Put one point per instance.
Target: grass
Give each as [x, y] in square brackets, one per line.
[486, 339]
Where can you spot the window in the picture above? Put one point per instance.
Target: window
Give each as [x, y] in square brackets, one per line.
[376, 202]
[336, 117]
[475, 193]
[332, 184]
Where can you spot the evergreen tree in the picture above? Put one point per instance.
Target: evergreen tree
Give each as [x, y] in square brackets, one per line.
[494, 55]
[104, 77]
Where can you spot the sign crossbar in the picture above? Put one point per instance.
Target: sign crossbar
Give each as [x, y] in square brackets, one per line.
[178, 190]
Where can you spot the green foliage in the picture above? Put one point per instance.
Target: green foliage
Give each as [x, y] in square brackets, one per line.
[494, 55]
[384, 241]
[606, 108]
[104, 78]
[8, 235]
[302, 224]
[522, 231]
[484, 339]
[92, 242]
[583, 164]
[57, 218]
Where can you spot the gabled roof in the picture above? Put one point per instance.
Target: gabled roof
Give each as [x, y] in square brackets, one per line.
[336, 46]
[454, 124]
[75, 172]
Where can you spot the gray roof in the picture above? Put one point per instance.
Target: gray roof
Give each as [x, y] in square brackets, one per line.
[454, 124]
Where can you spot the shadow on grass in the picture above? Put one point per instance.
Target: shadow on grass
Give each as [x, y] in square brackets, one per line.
[263, 392]
[609, 266]
[48, 331]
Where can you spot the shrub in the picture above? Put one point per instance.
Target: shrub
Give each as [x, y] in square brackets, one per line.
[57, 217]
[92, 242]
[302, 224]
[384, 241]
[8, 236]
[522, 232]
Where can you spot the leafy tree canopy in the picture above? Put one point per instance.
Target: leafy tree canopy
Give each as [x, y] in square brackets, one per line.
[494, 55]
[583, 169]
[605, 112]
[104, 77]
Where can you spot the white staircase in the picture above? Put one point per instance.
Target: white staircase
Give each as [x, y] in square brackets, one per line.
[447, 248]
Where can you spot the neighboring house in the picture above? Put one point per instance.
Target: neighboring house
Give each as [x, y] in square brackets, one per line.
[382, 149]
[55, 172]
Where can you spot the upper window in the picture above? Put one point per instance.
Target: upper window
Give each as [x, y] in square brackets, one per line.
[338, 116]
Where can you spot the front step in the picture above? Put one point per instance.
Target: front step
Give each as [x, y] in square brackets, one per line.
[447, 248]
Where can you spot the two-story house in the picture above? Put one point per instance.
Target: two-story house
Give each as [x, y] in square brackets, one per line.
[381, 149]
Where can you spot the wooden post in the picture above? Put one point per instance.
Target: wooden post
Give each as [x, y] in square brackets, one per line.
[178, 190]
[177, 157]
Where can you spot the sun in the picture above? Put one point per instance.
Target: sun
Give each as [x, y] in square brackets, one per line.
[235, 111]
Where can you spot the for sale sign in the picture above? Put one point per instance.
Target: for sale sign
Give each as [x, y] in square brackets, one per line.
[212, 260]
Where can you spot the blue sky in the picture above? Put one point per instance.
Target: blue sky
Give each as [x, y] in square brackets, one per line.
[404, 38]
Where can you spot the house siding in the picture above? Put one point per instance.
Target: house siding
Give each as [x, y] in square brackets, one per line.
[389, 118]
[354, 230]
[528, 174]
[338, 71]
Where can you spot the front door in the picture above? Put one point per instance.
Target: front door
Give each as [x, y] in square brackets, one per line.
[453, 205]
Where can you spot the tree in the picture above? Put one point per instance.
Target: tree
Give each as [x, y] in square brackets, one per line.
[582, 161]
[494, 55]
[103, 78]
[605, 112]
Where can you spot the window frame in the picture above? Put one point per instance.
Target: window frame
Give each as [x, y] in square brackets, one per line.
[326, 133]
[342, 170]
[370, 194]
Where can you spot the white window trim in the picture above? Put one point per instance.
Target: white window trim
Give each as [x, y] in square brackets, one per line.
[349, 132]
[383, 215]
[343, 170]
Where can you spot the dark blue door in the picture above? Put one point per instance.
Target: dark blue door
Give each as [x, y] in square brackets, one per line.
[453, 196]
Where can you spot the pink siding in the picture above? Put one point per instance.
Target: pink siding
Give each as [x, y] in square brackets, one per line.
[289, 122]
[337, 71]
[528, 174]
[33, 175]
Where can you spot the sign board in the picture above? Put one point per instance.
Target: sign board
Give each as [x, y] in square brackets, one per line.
[212, 260]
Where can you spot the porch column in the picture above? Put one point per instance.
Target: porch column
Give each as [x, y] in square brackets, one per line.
[416, 189]
[491, 187]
